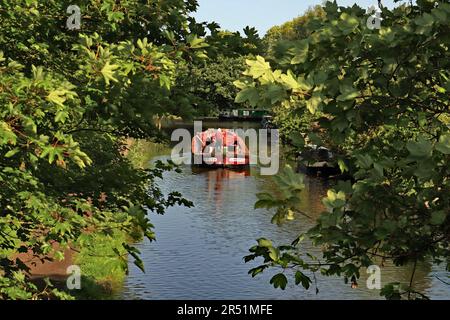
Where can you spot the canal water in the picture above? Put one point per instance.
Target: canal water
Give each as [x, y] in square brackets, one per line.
[199, 251]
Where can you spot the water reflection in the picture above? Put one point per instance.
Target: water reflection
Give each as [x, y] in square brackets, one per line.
[218, 181]
[199, 251]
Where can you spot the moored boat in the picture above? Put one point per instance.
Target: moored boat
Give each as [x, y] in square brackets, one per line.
[219, 148]
[242, 115]
[317, 161]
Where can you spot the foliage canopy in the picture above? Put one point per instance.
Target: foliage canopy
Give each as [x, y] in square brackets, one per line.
[381, 100]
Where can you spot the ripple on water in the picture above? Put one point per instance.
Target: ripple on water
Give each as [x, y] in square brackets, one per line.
[199, 251]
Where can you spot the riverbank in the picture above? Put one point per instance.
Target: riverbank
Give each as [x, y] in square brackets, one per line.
[103, 267]
[103, 270]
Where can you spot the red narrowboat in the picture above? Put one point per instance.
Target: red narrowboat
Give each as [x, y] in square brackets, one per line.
[219, 148]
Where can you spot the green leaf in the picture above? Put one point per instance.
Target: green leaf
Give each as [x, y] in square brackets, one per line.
[300, 52]
[255, 271]
[138, 263]
[420, 149]
[241, 84]
[426, 20]
[391, 291]
[297, 140]
[12, 152]
[303, 279]
[334, 200]
[61, 116]
[273, 253]
[275, 93]
[345, 186]
[315, 138]
[57, 97]
[265, 243]
[279, 281]
[348, 96]
[439, 15]
[290, 81]
[196, 42]
[164, 81]
[424, 170]
[342, 166]
[319, 77]
[108, 72]
[304, 84]
[348, 92]
[170, 35]
[438, 217]
[443, 145]
[59, 255]
[314, 103]
[265, 204]
[249, 94]
[29, 124]
[379, 169]
[340, 124]
[347, 23]
[364, 161]
[201, 55]
[258, 67]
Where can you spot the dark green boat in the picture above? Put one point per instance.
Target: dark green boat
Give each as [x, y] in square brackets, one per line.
[243, 114]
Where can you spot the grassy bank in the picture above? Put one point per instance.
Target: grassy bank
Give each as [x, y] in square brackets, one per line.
[142, 151]
[103, 270]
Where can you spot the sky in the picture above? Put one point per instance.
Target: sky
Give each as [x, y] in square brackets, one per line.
[234, 15]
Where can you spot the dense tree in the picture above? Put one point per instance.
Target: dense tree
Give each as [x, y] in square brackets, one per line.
[208, 86]
[278, 40]
[383, 100]
[233, 44]
[203, 87]
[297, 28]
[67, 99]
